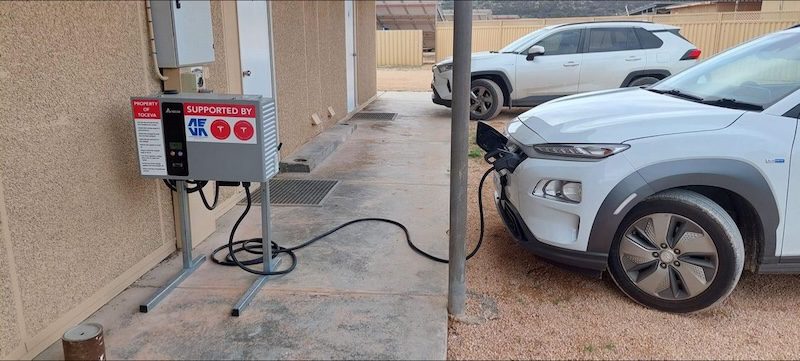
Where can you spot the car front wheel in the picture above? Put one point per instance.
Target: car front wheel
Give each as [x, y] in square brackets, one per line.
[486, 99]
[643, 81]
[677, 251]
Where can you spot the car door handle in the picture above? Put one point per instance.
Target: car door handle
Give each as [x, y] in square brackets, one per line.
[570, 64]
[633, 58]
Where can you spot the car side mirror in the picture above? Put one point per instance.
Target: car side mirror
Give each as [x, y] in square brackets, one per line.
[534, 51]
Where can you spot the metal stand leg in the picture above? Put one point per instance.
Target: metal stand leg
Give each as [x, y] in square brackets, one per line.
[189, 265]
[269, 263]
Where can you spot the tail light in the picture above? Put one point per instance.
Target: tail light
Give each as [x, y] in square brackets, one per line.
[691, 54]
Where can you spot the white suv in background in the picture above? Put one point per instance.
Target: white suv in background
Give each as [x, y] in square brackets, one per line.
[673, 189]
[560, 60]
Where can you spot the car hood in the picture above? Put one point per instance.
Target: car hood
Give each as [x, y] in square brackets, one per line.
[475, 56]
[619, 115]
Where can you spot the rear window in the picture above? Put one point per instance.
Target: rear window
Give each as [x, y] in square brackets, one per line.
[648, 39]
[675, 32]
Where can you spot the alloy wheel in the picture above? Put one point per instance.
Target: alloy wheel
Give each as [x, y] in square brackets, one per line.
[481, 100]
[669, 256]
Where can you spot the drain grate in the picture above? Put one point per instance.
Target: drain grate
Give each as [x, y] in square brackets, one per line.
[302, 192]
[374, 116]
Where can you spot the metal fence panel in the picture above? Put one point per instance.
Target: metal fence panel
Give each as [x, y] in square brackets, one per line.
[398, 47]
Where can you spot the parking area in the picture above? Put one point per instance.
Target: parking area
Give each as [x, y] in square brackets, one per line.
[521, 307]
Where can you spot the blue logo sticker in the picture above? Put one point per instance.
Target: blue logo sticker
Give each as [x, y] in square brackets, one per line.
[197, 127]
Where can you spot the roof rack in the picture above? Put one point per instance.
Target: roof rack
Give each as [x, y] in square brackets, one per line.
[609, 21]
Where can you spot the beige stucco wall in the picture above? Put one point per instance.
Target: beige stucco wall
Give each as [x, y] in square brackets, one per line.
[309, 67]
[309, 55]
[365, 48]
[76, 218]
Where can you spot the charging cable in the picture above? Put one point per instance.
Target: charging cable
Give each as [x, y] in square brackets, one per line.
[255, 245]
[198, 187]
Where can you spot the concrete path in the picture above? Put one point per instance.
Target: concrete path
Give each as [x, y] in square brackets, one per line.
[360, 293]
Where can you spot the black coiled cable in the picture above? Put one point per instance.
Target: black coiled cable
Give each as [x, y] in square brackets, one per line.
[255, 245]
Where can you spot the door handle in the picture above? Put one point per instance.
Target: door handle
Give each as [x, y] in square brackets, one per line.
[247, 73]
[633, 59]
[570, 64]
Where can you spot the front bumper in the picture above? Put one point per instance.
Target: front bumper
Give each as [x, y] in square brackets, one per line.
[437, 99]
[552, 228]
[441, 87]
[586, 262]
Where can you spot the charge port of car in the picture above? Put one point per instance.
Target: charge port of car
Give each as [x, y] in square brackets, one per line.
[495, 145]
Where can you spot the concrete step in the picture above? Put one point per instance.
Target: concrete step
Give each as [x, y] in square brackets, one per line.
[305, 159]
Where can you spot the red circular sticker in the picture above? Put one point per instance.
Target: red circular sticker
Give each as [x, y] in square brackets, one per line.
[220, 129]
[243, 130]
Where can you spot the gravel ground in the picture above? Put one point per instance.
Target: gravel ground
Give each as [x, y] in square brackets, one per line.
[520, 307]
[405, 79]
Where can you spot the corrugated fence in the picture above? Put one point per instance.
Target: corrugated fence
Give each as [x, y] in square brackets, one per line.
[711, 32]
[399, 47]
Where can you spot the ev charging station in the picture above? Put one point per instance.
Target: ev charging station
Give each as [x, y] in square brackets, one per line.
[208, 137]
[192, 138]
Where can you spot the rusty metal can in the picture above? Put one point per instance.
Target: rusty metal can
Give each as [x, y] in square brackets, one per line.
[84, 342]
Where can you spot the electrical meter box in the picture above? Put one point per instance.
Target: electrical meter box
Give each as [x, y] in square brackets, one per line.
[182, 31]
[206, 137]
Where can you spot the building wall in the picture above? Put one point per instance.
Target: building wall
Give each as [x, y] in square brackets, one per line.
[366, 78]
[77, 222]
[718, 7]
[780, 5]
[309, 68]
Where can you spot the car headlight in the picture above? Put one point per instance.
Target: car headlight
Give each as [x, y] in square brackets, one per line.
[445, 67]
[585, 151]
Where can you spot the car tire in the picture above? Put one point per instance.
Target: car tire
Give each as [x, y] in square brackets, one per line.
[486, 99]
[648, 265]
[643, 81]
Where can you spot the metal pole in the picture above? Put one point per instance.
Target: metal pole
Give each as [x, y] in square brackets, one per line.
[270, 264]
[459, 135]
[189, 265]
[266, 230]
[186, 226]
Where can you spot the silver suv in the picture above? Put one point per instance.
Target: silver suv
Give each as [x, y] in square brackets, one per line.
[560, 60]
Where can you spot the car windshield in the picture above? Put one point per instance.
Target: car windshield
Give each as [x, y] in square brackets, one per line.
[749, 77]
[516, 45]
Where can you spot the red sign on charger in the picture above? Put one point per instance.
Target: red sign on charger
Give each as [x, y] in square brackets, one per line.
[146, 109]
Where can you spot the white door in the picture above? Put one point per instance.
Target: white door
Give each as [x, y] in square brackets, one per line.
[254, 47]
[350, 54]
[552, 74]
[611, 54]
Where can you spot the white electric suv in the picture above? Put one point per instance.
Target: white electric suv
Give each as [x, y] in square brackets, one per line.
[566, 59]
[672, 189]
